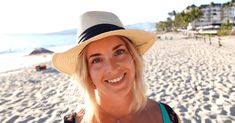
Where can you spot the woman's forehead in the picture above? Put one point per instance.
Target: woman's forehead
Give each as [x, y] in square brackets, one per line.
[108, 40]
[105, 43]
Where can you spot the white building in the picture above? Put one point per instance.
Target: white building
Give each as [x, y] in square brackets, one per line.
[229, 14]
[214, 15]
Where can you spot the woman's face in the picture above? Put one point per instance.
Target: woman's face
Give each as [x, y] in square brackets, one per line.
[111, 66]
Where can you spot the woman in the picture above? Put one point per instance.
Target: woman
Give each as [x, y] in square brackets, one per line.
[107, 65]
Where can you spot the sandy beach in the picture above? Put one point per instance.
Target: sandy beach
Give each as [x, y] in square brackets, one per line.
[195, 77]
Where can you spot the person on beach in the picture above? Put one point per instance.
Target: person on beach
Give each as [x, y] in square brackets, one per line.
[107, 65]
[219, 42]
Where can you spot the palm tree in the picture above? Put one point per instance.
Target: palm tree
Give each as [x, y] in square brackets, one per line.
[181, 20]
[172, 14]
[172, 17]
[195, 15]
[212, 4]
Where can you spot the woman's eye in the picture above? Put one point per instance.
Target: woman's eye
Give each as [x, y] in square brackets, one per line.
[119, 52]
[96, 60]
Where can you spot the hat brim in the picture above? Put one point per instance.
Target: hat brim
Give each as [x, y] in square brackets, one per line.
[65, 62]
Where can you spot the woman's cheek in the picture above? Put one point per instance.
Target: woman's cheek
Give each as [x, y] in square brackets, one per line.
[127, 59]
[94, 71]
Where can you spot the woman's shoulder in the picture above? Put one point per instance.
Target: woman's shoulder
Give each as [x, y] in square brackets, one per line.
[172, 115]
[75, 117]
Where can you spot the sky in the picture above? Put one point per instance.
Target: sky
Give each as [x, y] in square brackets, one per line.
[42, 16]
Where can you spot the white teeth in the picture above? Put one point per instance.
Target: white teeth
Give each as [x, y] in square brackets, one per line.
[116, 80]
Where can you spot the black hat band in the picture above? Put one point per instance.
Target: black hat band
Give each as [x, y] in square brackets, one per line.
[96, 30]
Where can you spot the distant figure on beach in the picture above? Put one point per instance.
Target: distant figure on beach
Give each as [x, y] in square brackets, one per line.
[196, 37]
[210, 40]
[204, 39]
[166, 38]
[159, 37]
[219, 42]
[107, 65]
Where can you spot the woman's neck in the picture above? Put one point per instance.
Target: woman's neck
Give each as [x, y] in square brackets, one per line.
[117, 107]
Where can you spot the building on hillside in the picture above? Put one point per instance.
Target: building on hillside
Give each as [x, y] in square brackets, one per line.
[214, 15]
[228, 13]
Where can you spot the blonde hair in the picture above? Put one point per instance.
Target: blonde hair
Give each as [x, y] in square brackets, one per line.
[87, 87]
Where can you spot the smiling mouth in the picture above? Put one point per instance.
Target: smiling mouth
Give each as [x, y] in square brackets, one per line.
[118, 79]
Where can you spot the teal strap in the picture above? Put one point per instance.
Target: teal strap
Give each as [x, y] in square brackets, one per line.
[75, 117]
[165, 116]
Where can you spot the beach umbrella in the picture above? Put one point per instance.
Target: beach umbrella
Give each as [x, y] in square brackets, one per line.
[41, 51]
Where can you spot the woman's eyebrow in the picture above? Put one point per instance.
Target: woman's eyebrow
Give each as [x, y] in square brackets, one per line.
[94, 55]
[98, 54]
[117, 46]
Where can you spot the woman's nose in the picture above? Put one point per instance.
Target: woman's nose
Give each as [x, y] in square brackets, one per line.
[111, 65]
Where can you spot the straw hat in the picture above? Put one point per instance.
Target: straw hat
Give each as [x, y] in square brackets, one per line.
[96, 25]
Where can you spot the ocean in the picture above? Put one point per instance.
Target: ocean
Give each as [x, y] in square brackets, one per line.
[14, 49]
